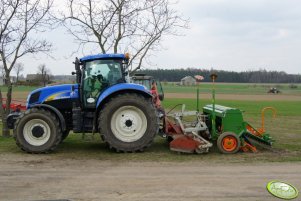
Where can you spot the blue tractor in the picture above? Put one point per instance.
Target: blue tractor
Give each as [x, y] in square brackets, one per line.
[101, 101]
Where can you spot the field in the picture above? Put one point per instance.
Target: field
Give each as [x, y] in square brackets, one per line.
[75, 154]
[285, 128]
[233, 88]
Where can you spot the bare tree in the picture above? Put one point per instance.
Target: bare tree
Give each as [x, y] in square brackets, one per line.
[20, 21]
[2, 71]
[18, 68]
[135, 26]
[43, 74]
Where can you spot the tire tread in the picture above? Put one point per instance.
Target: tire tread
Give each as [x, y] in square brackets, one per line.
[57, 127]
[104, 113]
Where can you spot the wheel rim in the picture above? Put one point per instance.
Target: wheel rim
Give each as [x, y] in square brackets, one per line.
[229, 143]
[128, 123]
[36, 132]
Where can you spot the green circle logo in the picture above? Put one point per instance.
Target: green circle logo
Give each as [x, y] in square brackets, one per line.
[282, 190]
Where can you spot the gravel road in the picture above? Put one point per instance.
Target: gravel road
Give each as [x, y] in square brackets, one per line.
[44, 177]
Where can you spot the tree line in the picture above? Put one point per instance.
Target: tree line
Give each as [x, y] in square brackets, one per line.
[258, 76]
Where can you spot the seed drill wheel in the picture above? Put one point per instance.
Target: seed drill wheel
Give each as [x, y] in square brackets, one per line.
[128, 123]
[228, 143]
[37, 131]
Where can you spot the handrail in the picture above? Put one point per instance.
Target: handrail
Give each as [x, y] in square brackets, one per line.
[262, 130]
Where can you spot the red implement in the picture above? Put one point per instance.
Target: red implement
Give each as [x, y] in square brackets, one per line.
[184, 143]
[16, 105]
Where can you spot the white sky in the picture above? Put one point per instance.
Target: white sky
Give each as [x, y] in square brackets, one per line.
[233, 35]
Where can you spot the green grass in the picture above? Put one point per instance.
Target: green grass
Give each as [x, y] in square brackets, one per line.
[19, 88]
[76, 148]
[285, 129]
[284, 108]
[232, 88]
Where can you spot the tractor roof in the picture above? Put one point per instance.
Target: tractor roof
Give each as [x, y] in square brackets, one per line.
[103, 56]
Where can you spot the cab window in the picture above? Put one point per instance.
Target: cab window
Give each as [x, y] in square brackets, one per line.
[100, 74]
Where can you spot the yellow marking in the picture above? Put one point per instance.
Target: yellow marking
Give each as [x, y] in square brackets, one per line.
[53, 96]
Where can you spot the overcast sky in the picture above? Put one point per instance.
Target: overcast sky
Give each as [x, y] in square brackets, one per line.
[236, 35]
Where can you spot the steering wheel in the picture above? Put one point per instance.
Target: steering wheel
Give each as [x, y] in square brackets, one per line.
[99, 77]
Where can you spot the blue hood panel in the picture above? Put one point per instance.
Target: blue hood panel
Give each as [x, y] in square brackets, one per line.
[56, 92]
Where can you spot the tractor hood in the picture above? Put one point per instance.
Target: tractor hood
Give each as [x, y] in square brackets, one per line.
[50, 93]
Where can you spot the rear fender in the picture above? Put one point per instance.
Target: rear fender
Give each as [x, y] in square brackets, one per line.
[115, 90]
[122, 88]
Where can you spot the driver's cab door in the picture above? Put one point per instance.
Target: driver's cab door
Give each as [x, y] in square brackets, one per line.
[99, 75]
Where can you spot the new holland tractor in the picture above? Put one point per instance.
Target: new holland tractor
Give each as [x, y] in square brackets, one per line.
[102, 101]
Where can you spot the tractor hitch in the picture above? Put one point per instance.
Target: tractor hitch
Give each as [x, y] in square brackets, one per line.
[11, 119]
[16, 107]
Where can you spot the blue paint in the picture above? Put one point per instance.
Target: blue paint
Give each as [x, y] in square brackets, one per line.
[122, 87]
[102, 56]
[65, 92]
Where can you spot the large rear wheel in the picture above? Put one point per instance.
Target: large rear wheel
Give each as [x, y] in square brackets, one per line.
[37, 131]
[128, 123]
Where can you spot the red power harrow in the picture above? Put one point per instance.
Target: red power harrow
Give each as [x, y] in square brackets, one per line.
[16, 105]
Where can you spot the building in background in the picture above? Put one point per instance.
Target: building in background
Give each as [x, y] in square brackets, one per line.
[188, 81]
[13, 80]
[53, 78]
[31, 77]
[64, 78]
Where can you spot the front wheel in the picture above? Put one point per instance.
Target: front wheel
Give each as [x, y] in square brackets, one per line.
[128, 123]
[64, 135]
[37, 131]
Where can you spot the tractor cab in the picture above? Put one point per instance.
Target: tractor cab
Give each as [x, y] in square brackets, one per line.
[150, 83]
[98, 72]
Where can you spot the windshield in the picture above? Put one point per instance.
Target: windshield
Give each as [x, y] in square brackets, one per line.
[145, 83]
[108, 71]
[99, 75]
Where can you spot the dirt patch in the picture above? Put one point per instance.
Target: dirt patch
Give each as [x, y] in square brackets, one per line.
[20, 95]
[267, 97]
[43, 177]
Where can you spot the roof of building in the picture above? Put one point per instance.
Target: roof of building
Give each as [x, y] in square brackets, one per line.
[188, 78]
[31, 76]
[103, 56]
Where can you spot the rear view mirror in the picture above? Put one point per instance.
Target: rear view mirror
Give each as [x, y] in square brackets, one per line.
[77, 64]
[77, 70]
